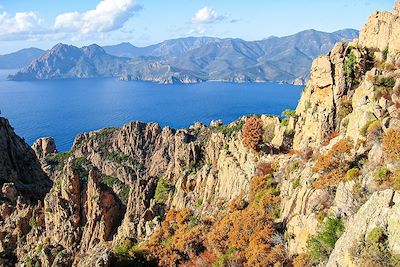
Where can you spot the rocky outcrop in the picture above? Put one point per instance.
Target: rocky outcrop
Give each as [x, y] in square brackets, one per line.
[80, 213]
[103, 214]
[200, 163]
[19, 165]
[44, 147]
[381, 210]
[382, 32]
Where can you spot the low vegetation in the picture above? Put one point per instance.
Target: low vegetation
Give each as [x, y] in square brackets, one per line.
[350, 67]
[244, 236]
[385, 53]
[110, 181]
[321, 245]
[252, 134]
[289, 113]
[329, 137]
[374, 250]
[162, 191]
[333, 165]
[352, 174]
[391, 144]
[381, 174]
[58, 160]
[229, 130]
[383, 81]
[119, 157]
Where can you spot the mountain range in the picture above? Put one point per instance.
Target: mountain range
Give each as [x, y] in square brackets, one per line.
[20, 58]
[190, 60]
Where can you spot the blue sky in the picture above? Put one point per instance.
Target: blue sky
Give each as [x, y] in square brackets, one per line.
[43, 23]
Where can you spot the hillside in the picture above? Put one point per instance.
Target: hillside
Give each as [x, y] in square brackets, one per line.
[191, 60]
[20, 58]
[319, 187]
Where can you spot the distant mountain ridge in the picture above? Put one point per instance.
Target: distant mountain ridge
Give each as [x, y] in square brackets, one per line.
[20, 58]
[190, 60]
[171, 47]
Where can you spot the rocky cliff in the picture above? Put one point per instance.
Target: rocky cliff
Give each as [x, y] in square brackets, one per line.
[319, 187]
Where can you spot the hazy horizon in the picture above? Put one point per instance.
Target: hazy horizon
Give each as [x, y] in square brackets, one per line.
[42, 24]
[139, 46]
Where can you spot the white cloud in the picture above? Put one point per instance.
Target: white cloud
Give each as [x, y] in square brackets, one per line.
[199, 30]
[207, 15]
[21, 25]
[109, 15]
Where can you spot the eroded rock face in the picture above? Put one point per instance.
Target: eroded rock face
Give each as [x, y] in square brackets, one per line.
[318, 104]
[382, 31]
[80, 215]
[19, 165]
[381, 210]
[44, 147]
[103, 213]
[64, 211]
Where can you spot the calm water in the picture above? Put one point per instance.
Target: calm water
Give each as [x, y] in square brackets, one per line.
[62, 109]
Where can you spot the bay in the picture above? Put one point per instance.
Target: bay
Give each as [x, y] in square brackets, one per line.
[64, 108]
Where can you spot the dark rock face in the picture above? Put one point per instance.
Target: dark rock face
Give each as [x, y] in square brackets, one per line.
[19, 165]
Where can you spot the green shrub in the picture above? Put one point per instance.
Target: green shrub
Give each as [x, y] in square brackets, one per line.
[162, 191]
[229, 130]
[110, 181]
[193, 221]
[296, 183]
[191, 166]
[126, 248]
[221, 261]
[125, 195]
[364, 129]
[385, 81]
[381, 174]
[375, 250]
[351, 174]
[277, 213]
[58, 160]
[199, 203]
[385, 53]
[321, 215]
[81, 165]
[32, 222]
[350, 67]
[39, 248]
[289, 113]
[104, 133]
[293, 166]
[285, 122]
[119, 157]
[321, 245]
[308, 105]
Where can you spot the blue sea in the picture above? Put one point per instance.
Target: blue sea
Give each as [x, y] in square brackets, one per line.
[64, 108]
